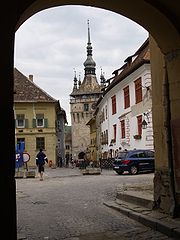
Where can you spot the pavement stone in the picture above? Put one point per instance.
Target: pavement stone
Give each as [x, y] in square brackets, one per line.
[69, 206]
[132, 204]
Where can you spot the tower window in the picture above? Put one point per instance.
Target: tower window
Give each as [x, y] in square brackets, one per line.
[86, 107]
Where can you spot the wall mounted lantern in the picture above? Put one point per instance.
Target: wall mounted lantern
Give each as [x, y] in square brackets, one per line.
[144, 124]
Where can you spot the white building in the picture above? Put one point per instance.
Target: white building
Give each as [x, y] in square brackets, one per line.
[126, 104]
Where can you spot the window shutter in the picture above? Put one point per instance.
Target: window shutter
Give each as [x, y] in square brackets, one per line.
[45, 122]
[34, 122]
[26, 123]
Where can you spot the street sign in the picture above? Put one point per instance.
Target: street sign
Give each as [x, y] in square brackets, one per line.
[26, 157]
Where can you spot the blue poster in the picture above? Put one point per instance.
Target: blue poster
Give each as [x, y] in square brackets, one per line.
[19, 154]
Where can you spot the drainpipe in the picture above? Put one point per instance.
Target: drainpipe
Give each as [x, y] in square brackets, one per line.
[168, 131]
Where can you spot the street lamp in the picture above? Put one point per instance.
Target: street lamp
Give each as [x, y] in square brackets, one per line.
[144, 123]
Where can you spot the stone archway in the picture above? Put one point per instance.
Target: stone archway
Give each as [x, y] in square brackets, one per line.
[81, 155]
[165, 52]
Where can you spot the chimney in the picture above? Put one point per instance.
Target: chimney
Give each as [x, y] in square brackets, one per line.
[31, 77]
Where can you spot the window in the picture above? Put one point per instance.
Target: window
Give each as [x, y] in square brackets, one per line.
[150, 154]
[86, 107]
[40, 120]
[102, 138]
[40, 143]
[138, 90]
[113, 98]
[142, 155]
[20, 121]
[126, 97]
[139, 124]
[103, 115]
[134, 156]
[106, 140]
[58, 124]
[106, 111]
[114, 128]
[123, 133]
[78, 118]
[74, 117]
[67, 147]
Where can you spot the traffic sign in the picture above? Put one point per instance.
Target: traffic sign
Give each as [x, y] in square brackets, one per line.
[26, 157]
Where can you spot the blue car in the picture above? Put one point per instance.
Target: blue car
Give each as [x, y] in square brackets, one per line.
[134, 161]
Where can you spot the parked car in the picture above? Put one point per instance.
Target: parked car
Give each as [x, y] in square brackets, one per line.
[134, 161]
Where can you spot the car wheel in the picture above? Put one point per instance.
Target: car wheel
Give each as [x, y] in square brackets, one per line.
[133, 170]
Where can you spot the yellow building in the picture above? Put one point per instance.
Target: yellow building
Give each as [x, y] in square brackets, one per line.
[91, 152]
[37, 117]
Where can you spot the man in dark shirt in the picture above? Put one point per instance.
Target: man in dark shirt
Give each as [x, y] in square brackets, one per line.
[40, 162]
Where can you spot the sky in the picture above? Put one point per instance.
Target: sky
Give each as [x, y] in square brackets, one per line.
[51, 45]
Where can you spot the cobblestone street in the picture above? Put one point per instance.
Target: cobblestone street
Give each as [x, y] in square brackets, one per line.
[68, 205]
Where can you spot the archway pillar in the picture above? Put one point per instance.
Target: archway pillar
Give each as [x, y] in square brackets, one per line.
[172, 60]
[166, 124]
[7, 156]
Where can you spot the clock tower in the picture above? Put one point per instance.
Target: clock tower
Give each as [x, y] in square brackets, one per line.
[83, 104]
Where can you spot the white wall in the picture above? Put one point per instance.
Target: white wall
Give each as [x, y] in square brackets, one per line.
[130, 114]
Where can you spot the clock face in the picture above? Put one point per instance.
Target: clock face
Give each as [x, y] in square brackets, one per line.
[93, 106]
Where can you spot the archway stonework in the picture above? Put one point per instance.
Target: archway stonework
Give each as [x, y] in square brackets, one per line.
[161, 18]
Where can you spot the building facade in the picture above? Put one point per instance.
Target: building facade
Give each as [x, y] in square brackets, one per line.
[91, 154]
[125, 105]
[83, 103]
[39, 119]
[165, 62]
[68, 142]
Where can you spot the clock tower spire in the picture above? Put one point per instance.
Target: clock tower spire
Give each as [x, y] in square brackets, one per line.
[89, 64]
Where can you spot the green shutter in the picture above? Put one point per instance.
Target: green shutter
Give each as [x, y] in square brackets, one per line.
[26, 123]
[45, 122]
[34, 122]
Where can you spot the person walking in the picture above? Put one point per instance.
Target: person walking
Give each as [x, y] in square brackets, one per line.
[41, 159]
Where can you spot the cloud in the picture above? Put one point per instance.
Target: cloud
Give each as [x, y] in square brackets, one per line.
[53, 42]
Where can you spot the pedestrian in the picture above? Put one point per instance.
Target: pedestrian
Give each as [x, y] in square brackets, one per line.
[41, 159]
[72, 163]
[60, 161]
[67, 160]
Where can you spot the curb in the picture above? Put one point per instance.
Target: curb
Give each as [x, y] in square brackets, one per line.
[165, 227]
[131, 197]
